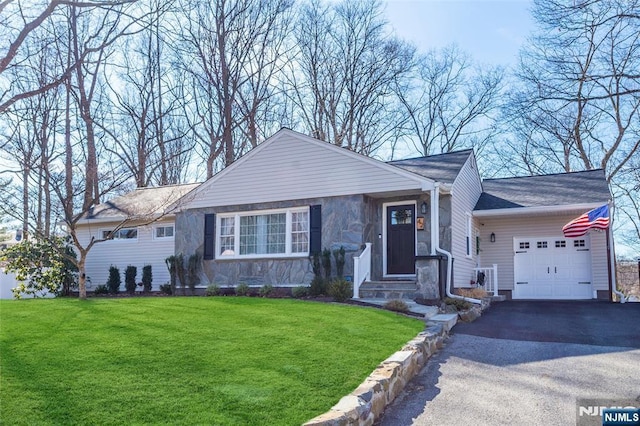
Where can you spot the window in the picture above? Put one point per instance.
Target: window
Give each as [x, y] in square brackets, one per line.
[525, 245]
[561, 243]
[541, 244]
[402, 217]
[122, 234]
[579, 243]
[469, 232]
[271, 233]
[163, 232]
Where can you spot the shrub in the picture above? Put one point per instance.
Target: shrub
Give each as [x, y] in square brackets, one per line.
[315, 265]
[326, 263]
[41, 266]
[339, 256]
[212, 290]
[474, 293]
[318, 287]
[101, 289]
[113, 283]
[166, 288]
[130, 279]
[397, 305]
[300, 291]
[192, 271]
[181, 272]
[242, 289]
[147, 278]
[266, 290]
[340, 290]
[173, 275]
[459, 304]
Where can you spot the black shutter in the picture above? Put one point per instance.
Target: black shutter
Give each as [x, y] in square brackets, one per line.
[315, 229]
[209, 235]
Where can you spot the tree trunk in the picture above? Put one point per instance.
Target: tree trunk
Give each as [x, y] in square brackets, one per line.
[82, 277]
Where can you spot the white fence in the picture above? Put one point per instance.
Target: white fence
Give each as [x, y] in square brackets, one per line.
[490, 279]
[361, 269]
[9, 281]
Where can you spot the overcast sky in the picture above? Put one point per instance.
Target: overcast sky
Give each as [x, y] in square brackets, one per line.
[492, 31]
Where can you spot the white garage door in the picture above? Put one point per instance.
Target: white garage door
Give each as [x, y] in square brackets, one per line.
[552, 268]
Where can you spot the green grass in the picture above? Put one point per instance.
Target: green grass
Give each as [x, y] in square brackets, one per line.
[223, 360]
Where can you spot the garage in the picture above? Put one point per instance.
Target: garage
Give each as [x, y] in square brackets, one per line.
[552, 268]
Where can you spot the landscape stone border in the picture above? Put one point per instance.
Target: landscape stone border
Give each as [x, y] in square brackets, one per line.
[365, 404]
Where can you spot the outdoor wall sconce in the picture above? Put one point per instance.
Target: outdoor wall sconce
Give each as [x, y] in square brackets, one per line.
[492, 237]
[423, 207]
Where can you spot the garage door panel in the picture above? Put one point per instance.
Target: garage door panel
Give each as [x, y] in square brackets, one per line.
[552, 268]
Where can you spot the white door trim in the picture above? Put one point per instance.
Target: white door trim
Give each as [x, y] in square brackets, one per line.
[384, 236]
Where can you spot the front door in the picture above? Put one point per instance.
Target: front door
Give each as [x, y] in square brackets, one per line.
[401, 240]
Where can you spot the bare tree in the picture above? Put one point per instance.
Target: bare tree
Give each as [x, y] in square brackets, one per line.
[344, 72]
[578, 101]
[18, 22]
[230, 50]
[451, 103]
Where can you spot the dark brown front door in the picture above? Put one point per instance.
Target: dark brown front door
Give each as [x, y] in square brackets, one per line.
[401, 239]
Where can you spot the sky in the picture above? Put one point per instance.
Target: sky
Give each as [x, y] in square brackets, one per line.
[491, 31]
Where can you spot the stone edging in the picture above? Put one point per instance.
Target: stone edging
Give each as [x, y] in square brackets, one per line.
[365, 404]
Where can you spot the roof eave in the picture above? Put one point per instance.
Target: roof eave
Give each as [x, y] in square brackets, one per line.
[517, 211]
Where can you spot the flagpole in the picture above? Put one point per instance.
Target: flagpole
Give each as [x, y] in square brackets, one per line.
[609, 265]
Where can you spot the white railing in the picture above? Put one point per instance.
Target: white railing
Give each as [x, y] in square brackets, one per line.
[361, 269]
[490, 279]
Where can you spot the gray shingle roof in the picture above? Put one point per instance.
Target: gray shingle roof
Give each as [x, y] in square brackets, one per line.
[546, 190]
[441, 168]
[142, 202]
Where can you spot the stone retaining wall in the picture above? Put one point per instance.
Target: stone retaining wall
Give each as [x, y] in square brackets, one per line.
[365, 404]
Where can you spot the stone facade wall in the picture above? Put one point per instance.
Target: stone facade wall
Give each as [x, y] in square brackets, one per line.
[348, 221]
[345, 222]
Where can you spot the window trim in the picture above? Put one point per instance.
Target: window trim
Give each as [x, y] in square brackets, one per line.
[130, 240]
[165, 238]
[236, 234]
[469, 236]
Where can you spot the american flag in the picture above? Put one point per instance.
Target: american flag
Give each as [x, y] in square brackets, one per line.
[597, 218]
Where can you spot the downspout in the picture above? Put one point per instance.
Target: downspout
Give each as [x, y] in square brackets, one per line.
[435, 243]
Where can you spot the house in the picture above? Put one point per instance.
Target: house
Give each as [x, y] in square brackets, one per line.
[407, 226]
[139, 228]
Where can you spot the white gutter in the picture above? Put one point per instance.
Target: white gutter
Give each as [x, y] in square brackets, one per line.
[535, 210]
[435, 244]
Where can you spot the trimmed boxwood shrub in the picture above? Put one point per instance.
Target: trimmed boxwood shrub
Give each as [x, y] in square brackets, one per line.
[130, 279]
[113, 283]
[147, 278]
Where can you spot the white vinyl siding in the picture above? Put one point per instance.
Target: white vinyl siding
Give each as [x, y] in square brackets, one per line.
[501, 252]
[145, 250]
[263, 234]
[292, 167]
[466, 190]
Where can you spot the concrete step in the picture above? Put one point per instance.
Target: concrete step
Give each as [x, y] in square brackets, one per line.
[446, 320]
[387, 289]
[415, 308]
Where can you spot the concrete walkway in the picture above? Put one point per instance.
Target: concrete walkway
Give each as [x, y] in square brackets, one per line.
[414, 308]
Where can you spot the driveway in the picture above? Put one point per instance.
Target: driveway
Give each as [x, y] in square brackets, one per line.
[526, 363]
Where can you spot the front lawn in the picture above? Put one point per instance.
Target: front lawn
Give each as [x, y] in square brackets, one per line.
[195, 360]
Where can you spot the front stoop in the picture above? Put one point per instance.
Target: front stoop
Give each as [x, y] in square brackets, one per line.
[364, 405]
[405, 290]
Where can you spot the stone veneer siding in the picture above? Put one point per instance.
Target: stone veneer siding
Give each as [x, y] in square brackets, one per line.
[345, 222]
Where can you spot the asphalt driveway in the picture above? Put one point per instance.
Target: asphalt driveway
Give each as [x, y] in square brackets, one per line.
[526, 363]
